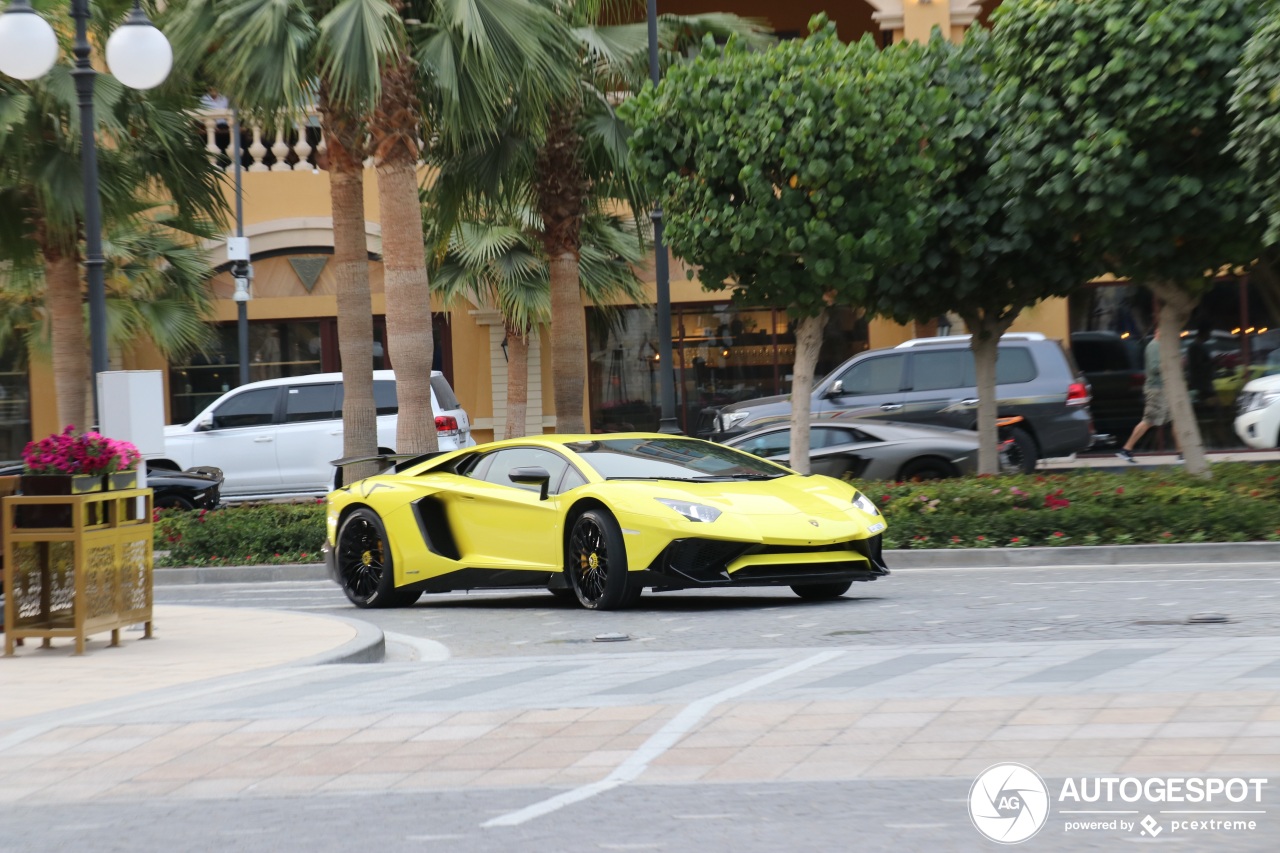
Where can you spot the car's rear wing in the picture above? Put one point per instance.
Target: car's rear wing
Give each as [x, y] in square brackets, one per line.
[390, 461]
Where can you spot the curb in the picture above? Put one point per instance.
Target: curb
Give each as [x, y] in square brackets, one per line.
[240, 574]
[903, 558]
[1085, 555]
[369, 645]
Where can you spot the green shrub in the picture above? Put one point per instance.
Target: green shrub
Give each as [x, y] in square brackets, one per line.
[1086, 507]
[241, 535]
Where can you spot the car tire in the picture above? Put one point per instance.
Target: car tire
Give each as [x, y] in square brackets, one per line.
[927, 468]
[363, 556]
[596, 563]
[821, 591]
[1022, 453]
[177, 502]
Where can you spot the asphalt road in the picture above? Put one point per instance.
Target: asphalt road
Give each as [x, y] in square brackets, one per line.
[992, 661]
[910, 606]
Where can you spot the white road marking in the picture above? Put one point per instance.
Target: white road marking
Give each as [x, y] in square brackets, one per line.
[658, 743]
[1149, 580]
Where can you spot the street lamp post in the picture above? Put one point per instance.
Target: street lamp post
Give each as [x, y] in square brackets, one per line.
[662, 276]
[140, 57]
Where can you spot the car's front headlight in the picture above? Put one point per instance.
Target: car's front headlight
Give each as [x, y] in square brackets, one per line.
[691, 511]
[864, 503]
[1261, 400]
[732, 420]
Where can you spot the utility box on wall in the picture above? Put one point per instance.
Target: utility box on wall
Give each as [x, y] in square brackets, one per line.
[131, 408]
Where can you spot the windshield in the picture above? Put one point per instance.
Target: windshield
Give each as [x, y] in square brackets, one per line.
[671, 459]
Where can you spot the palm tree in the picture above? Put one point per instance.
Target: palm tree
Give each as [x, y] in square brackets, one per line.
[274, 60]
[559, 155]
[146, 146]
[157, 291]
[460, 59]
[498, 261]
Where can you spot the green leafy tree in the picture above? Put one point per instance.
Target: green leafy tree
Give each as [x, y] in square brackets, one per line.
[1122, 135]
[984, 259]
[146, 153]
[501, 264]
[1255, 112]
[794, 175]
[566, 158]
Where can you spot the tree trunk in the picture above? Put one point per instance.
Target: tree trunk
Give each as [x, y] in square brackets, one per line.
[1176, 305]
[985, 345]
[562, 189]
[404, 263]
[517, 382]
[65, 303]
[355, 304]
[808, 347]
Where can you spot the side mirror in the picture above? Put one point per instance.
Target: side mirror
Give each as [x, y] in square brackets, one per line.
[531, 476]
[836, 389]
[204, 425]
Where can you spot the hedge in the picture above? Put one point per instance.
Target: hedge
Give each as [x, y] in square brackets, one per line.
[1085, 507]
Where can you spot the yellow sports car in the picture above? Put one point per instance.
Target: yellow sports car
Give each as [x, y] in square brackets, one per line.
[597, 518]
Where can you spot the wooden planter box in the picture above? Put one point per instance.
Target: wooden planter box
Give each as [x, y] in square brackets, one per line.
[90, 576]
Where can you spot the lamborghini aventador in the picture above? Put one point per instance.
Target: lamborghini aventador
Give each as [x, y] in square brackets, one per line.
[597, 518]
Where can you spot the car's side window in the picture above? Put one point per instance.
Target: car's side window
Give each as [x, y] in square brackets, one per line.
[777, 443]
[820, 437]
[252, 408]
[1014, 365]
[939, 371]
[571, 480]
[310, 403]
[499, 471]
[877, 375]
[384, 397]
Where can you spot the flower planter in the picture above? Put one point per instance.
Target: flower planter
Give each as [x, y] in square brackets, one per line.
[45, 485]
[120, 480]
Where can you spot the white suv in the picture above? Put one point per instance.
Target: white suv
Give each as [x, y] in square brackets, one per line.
[277, 437]
[1258, 412]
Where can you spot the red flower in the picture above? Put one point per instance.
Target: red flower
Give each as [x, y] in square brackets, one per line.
[1120, 490]
[982, 539]
[1058, 533]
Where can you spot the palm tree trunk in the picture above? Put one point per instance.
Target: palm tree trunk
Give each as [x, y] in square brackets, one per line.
[808, 348]
[65, 303]
[395, 142]
[517, 382]
[562, 189]
[355, 303]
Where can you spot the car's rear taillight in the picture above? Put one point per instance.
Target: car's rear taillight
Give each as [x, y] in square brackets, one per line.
[446, 425]
[1077, 394]
[1136, 381]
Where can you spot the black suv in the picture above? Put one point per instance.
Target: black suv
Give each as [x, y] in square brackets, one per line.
[931, 381]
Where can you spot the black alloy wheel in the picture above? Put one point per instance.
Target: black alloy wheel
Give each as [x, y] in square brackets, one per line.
[596, 562]
[364, 563]
[927, 468]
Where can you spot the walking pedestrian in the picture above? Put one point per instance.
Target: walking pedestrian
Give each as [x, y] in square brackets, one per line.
[1155, 407]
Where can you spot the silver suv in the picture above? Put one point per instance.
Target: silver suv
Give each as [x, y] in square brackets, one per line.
[277, 437]
[931, 381]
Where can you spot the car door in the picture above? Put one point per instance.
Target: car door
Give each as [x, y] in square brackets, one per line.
[310, 437]
[241, 440]
[942, 388]
[872, 386]
[500, 525]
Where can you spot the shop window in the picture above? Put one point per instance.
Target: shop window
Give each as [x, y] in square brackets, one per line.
[15, 402]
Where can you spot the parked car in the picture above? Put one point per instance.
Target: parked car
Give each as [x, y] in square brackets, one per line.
[931, 381]
[196, 488]
[598, 518]
[859, 449]
[1258, 407]
[278, 437]
[1112, 365]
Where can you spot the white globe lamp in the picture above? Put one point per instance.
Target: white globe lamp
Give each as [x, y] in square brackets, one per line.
[138, 54]
[28, 46]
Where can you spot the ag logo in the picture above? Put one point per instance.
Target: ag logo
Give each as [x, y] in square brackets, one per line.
[1008, 803]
